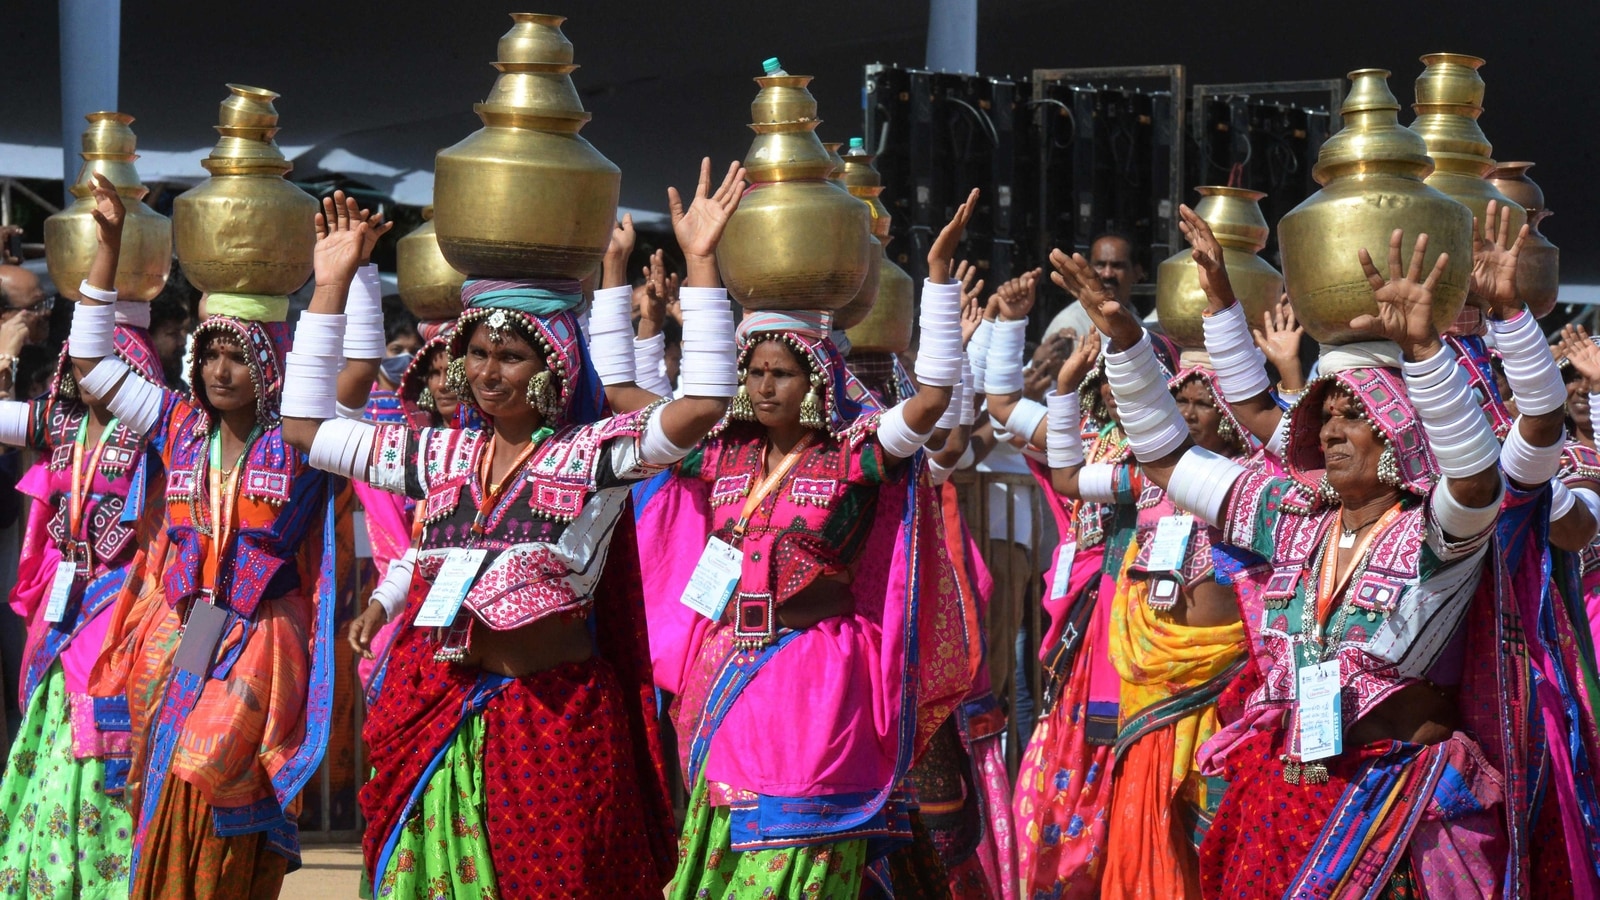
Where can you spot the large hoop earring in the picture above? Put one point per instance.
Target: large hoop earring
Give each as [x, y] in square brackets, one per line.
[741, 408]
[544, 396]
[811, 406]
[1389, 468]
[425, 401]
[455, 377]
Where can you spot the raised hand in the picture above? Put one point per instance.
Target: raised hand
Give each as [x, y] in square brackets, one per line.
[614, 265]
[944, 246]
[1405, 304]
[109, 212]
[700, 227]
[341, 237]
[660, 291]
[1279, 336]
[1073, 275]
[971, 285]
[1582, 352]
[1016, 297]
[1494, 264]
[1078, 364]
[971, 316]
[1208, 258]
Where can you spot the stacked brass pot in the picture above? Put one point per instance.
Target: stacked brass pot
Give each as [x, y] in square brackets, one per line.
[1235, 217]
[1449, 102]
[1371, 174]
[887, 326]
[429, 287]
[71, 236]
[861, 305]
[245, 229]
[1539, 265]
[525, 196]
[796, 241]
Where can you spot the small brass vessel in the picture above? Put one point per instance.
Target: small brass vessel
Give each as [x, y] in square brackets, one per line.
[796, 241]
[525, 196]
[836, 175]
[71, 236]
[245, 229]
[1371, 174]
[1539, 266]
[886, 326]
[1449, 102]
[1234, 215]
[429, 287]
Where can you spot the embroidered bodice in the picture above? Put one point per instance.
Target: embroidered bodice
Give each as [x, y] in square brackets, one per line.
[548, 532]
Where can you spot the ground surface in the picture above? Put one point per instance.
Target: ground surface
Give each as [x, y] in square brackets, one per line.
[327, 872]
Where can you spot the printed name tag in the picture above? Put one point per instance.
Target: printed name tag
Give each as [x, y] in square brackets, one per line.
[715, 576]
[450, 587]
[1321, 724]
[1063, 572]
[60, 591]
[197, 650]
[1171, 540]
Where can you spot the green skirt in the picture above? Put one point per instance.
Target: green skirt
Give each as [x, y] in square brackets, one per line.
[443, 850]
[709, 869]
[60, 835]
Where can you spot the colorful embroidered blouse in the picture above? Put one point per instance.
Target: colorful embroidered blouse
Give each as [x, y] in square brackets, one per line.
[547, 534]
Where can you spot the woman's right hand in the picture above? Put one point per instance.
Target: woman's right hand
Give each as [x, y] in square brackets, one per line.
[1073, 275]
[365, 629]
[944, 246]
[1078, 364]
[1575, 346]
[1208, 260]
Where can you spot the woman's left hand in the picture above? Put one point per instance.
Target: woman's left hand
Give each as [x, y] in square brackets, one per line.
[943, 250]
[1405, 303]
[1494, 265]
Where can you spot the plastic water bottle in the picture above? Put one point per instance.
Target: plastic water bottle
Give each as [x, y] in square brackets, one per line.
[772, 67]
[857, 144]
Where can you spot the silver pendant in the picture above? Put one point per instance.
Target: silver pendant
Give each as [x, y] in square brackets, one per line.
[1347, 539]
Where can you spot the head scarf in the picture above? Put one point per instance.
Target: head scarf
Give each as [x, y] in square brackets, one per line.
[845, 399]
[131, 345]
[1382, 399]
[264, 346]
[543, 312]
[1206, 376]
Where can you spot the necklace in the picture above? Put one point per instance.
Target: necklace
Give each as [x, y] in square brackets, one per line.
[1347, 536]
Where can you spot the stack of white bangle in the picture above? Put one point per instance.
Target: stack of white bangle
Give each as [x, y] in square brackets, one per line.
[93, 326]
[939, 350]
[1457, 430]
[710, 365]
[1240, 365]
[1530, 369]
[650, 365]
[93, 335]
[363, 310]
[951, 417]
[1003, 373]
[978, 355]
[969, 393]
[1064, 440]
[1149, 415]
[319, 343]
[611, 335]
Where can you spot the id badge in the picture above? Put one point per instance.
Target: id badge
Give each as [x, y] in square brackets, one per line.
[1063, 572]
[714, 578]
[1321, 721]
[1170, 543]
[201, 635]
[450, 587]
[60, 590]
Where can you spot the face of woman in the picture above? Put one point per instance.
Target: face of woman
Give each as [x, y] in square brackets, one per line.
[445, 400]
[1109, 400]
[499, 372]
[1200, 413]
[225, 374]
[1577, 400]
[1350, 447]
[777, 383]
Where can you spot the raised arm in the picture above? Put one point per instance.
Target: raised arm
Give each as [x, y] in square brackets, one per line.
[1240, 366]
[611, 323]
[363, 308]
[650, 340]
[1062, 434]
[1003, 371]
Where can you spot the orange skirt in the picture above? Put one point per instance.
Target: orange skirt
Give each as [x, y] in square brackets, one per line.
[184, 859]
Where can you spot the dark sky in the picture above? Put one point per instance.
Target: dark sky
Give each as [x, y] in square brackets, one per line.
[669, 82]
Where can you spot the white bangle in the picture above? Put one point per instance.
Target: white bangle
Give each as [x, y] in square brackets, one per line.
[363, 309]
[895, 435]
[1064, 440]
[969, 393]
[978, 354]
[1458, 520]
[655, 448]
[1026, 417]
[1201, 481]
[1526, 464]
[939, 347]
[396, 585]
[1457, 429]
[307, 391]
[1530, 369]
[320, 335]
[951, 417]
[1561, 500]
[1150, 416]
[1589, 499]
[709, 366]
[1240, 365]
[611, 335]
[105, 375]
[102, 295]
[137, 403]
[1097, 483]
[1003, 373]
[650, 364]
[342, 446]
[93, 331]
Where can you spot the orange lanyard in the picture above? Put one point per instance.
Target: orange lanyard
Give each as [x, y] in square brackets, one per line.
[769, 484]
[493, 492]
[1329, 582]
[223, 497]
[83, 479]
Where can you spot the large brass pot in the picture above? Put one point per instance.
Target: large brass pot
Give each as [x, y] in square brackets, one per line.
[245, 229]
[855, 312]
[71, 236]
[887, 328]
[1371, 174]
[1449, 102]
[1539, 266]
[525, 196]
[796, 241]
[429, 287]
[1234, 215]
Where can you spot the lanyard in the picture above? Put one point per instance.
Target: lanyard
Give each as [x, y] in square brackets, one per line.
[1329, 582]
[223, 496]
[83, 478]
[493, 492]
[769, 484]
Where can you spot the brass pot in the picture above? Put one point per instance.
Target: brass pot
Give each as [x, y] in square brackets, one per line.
[796, 241]
[836, 174]
[855, 312]
[71, 236]
[1371, 174]
[525, 196]
[1449, 102]
[1539, 266]
[1234, 215]
[429, 287]
[245, 229]
[887, 328]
